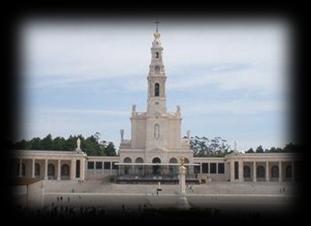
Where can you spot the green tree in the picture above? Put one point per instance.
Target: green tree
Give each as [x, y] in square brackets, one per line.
[35, 143]
[23, 144]
[59, 143]
[259, 149]
[110, 150]
[250, 150]
[47, 142]
[202, 146]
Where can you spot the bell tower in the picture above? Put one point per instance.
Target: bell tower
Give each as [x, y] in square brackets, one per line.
[156, 78]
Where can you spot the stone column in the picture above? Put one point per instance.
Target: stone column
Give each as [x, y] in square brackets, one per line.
[182, 179]
[241, 179]
[267, 171]
[254, 172]
[232, 170]
[20, 168]
[46, 169]
[82, 168]
[33, 168]
[200, 168]
[280, 171]
[110, 167]
[73, 169]
[209, 168]
[58, 169]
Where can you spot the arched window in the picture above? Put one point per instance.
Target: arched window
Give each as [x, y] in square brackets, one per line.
[37, 170]
[139, 169]
[260, 171]
[127, 160]
[156, 131]
[127, 168]
[157, 89]
[156, 160]
[247, 171]
[65, 170]
[157, 55]
[156, 170]
[139, 160]
[288, 171]
[51, 170]
[275, 171]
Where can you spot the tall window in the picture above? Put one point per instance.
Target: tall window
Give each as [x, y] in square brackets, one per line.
[37, 169]
[156, 131]
[205, 167]
[90, 165]
[51, 170]
[275, 171]
[213, 167]
[261, 172]
[236, 170]
[157, 54]
[288, 172]
[157, 89]
[247, 172]
[65, 170]
[221, 168]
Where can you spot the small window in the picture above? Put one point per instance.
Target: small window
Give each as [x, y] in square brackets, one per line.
[196, 169]
[213, 167]
[90, 165]
[99, 165]
[221, 168]
[157, 54]
[106, 165]
[204, 167]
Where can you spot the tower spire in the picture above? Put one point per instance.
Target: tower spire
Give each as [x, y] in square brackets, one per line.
[157, 25]
[156, 77]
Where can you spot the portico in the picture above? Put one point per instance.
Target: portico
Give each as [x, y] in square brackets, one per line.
[50, 165]
[258, 167]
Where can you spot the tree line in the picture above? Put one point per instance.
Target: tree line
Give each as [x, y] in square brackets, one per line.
[218, 147]
[92, 145]
[290, 147]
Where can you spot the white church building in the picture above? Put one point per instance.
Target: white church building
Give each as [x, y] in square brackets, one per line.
[154, 150]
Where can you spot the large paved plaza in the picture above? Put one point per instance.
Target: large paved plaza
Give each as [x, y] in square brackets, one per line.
[133, 197]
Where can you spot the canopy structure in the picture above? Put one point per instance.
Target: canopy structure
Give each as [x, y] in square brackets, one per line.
[154, 173]
[154, 164]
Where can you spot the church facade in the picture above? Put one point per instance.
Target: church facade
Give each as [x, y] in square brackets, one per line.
[155, 149]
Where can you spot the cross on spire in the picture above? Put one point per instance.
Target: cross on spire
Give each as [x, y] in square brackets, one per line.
[157, 25]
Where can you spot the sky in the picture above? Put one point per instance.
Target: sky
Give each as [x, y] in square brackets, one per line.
[230, 78]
